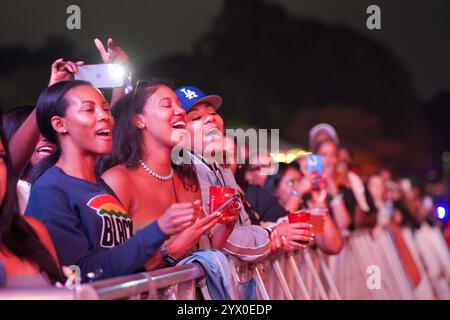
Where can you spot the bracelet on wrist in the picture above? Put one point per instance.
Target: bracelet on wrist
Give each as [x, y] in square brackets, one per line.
[269, 230]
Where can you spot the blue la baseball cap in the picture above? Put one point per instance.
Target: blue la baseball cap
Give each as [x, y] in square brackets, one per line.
[190, 96]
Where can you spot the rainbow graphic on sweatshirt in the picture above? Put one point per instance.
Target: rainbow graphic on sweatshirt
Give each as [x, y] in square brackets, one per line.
[117, 225]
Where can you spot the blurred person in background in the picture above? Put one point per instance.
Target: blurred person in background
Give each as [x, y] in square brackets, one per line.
[419, 207]
[296, 191]
[410, 203]
[321, 132]
[342, 200]
[386, 175]
[381, 206]
[256, 162]
[344, 166]
[260, 204]
[288, 186]
[393, 194]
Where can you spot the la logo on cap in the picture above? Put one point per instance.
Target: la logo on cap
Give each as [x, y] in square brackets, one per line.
[189, 93]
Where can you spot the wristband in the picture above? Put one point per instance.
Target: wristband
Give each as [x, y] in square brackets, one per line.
[128, 86]
[171, 261]
[269, 230]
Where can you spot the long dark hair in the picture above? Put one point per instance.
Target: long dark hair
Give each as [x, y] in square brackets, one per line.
[16, 235]
[12, 122]
[13, 119]
[128, 141]
[52, 102]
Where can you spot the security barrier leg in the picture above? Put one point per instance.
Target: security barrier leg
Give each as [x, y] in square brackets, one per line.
[284, 286]
[298, 278]
[327, 274]
[315, 275]
[260, 283]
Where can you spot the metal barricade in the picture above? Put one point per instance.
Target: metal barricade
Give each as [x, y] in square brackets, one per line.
[298, 275]
[433, 262]
[37, 294]
[349, 276]
[173, 283]
[424, 290]
[283, 277]
[370, 254]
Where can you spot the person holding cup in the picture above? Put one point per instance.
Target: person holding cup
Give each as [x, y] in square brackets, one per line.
[304, 197]
[205, 127]
[147, 182]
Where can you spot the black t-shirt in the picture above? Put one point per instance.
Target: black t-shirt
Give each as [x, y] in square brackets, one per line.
[265, 203]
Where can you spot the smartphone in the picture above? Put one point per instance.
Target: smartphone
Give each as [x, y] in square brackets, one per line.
[227, 203]
[109, 75]
[314, 163]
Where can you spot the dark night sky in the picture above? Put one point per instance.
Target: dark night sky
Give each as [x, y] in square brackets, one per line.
[418, 32]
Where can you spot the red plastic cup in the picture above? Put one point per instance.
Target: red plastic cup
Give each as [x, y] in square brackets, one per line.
[300, 216]
[217, 196]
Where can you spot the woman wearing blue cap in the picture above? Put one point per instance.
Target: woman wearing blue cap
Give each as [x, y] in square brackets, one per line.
[247, 242]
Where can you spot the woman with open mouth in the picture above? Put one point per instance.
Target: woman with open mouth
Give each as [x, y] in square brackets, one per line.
[87, 222]
[27, 146]
[12, 121]
[247, 242]
[149, 124]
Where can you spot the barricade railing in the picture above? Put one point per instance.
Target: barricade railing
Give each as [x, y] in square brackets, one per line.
[172, 283]
[435, 256]
[424, 290]
[298, 275]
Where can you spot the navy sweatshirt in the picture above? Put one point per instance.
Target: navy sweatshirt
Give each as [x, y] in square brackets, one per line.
[89, 226]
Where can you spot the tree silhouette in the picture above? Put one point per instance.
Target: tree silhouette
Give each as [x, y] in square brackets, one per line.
[273, 70]
[269, 65]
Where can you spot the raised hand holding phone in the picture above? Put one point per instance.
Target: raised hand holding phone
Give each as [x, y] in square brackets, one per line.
[315, 167]
[115, 54]
[109, 75]
[62, 70]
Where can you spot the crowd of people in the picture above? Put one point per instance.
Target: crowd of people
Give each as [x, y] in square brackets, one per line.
[91, 183]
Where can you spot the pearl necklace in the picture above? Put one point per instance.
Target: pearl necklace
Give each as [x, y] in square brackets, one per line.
[154, 174]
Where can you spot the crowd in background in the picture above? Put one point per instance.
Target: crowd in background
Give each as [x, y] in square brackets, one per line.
[91, 183]
[370, 200]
